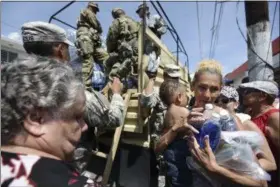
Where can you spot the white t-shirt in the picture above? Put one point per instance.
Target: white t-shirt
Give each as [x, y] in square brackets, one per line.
[243, 117]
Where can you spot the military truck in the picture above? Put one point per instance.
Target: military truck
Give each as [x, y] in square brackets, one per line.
[123, 156]
[134, 132]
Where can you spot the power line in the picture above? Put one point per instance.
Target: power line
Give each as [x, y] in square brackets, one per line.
[213, 28]
[217, 30]
[9, 25]
[198, 25]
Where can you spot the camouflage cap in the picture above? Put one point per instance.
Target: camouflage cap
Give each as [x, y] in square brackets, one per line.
[172, 70]
[39, 31]
[141, 6]
[93, 4]
[115, 10]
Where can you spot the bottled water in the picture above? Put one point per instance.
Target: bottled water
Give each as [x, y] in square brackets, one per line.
[227, 121]
[210, 127]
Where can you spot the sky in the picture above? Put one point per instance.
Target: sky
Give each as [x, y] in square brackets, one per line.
[231, 49]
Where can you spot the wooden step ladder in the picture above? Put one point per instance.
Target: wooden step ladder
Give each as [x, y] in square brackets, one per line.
[115, 143]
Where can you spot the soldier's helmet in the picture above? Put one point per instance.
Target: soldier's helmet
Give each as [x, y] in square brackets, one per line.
[141, 6]
[93, 4]
[117, 12]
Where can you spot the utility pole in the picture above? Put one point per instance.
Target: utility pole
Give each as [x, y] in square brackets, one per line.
[259, 41]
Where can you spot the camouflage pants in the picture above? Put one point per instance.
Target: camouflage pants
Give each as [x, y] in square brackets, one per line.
[89, 49]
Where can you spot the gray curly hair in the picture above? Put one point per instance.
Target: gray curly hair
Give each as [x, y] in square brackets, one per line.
[32, 84]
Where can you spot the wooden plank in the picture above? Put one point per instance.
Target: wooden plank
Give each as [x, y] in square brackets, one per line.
[131, 115]
[133, 103]
[115, 144]
[100, 154]
[132, 128]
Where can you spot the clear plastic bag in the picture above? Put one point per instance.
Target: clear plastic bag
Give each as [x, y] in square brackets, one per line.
[254, 139]
[240, 158]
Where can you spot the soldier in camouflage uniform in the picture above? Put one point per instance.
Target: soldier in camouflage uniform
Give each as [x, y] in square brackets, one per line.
[49, 41]
[89, 42]
[122, 39]
[154, 22]
[150, 99]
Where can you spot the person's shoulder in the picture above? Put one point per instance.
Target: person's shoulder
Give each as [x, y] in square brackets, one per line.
[179, 111]
[274, 116]
[40, 171]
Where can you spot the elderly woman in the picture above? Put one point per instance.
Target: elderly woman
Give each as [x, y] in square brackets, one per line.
[229, 100]
[258, 98]
[42, 107]
[207, 85]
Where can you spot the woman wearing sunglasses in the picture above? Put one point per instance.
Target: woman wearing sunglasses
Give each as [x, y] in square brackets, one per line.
[258, 98]
[229, 100]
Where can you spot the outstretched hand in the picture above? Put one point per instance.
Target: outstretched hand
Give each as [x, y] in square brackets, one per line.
[205, 157]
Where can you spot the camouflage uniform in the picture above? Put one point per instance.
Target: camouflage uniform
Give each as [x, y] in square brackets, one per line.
[101, 115]
[88, 42]
[122, 39]
[156, 119]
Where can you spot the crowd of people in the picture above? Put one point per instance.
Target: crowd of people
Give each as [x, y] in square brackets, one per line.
[49, 113]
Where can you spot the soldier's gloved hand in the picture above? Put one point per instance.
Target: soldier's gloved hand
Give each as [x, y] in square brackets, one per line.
[116, 86]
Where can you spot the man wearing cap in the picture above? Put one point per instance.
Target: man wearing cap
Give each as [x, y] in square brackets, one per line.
[258, 98]
[89, 42]
[47, 40]
[158, 27]
[150, 99]
[122, 39]
[155, 22]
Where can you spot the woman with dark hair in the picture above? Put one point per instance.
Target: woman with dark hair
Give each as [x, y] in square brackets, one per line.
[42, 108]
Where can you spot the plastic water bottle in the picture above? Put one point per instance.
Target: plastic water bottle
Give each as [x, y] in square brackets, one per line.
[227, 121]
[210, 127]
[207, 114]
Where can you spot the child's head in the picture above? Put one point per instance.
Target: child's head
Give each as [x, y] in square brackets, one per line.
[173, 92]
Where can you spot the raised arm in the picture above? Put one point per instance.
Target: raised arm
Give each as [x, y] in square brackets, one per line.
[149, 98]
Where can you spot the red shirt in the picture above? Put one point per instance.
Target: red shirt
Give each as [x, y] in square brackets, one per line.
[262, 121]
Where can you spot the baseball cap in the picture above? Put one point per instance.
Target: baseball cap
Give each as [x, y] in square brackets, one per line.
[230, 92]
[39, 31]
[268, 87]
[172, 70]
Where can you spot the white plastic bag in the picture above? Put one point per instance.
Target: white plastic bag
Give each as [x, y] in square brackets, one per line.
[254, 139]
[240, 158]
[153, 63]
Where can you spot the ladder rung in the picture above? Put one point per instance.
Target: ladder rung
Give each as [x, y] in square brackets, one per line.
[100, 154]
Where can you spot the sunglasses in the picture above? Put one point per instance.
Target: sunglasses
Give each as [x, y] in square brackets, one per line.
[249, 91]
[224, 100]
